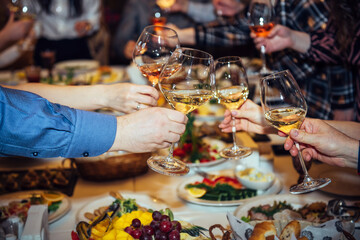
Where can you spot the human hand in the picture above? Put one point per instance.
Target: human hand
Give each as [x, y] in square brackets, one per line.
[249, 117]
[129, 49]
[180, 6]
[228, 8]
[321, 141]
[82, 28]
[125, 97]
[149, 129]
[278, 39]
[17, 30]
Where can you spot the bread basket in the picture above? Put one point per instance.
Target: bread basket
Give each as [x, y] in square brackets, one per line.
[112, 165]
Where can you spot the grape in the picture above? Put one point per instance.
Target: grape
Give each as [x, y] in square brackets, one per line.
[161, 236]
[148, 230]
[176, 225]
[165, 226]
[128, 230]
[155, 224]
[145, 237]
[164, 218]
[136, 223]
[156, 215]
[136, 233]
[174, 235]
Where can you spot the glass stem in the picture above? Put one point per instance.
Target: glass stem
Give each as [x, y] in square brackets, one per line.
[263, 59]
[171, 153]
[234, 132]
[307, 178]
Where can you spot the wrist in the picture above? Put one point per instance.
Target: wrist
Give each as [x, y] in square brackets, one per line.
[300, 41]
[351, 153]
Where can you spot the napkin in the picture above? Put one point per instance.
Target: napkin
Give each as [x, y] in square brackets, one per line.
[330, 230]
[36, 226]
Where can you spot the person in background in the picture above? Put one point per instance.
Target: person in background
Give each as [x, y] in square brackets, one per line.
[328, 88]
[339, 42]
[64, 26]
[313, 135]
[138, 14]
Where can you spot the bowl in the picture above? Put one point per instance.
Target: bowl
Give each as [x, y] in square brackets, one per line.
[254, 178]
[112, 165]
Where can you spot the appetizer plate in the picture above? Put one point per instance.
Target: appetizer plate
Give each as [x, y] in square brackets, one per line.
[296, 201]
[142, 199]
[64, 207]
[183, 193]
[79, 66]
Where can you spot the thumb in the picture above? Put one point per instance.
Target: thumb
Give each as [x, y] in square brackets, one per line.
[303, 137]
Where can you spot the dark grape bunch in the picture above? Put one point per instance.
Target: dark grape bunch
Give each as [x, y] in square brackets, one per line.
[161, 228]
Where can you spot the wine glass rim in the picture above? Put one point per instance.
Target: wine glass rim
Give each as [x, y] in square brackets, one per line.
[272, 75]
[229, 59]
[195, 50]
[163, 27]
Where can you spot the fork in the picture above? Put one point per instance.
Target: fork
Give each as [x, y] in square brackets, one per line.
[114, 208]
[204, 174]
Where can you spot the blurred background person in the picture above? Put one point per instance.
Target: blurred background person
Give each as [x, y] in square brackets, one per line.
[137, 14]
[338, 42]
[328, 88]
[65, 27]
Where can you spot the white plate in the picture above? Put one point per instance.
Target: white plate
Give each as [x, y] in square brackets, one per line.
[94, 77]
[142, 199]
[297, 201]
[64, 207]
[183, 193]
[344, 181]
[80, 66]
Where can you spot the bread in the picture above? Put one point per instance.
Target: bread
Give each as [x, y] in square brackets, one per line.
[289, 229]
[263, 230]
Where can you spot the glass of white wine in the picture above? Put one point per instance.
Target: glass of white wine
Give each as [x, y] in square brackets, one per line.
[153, 49]
[232, 90]
[285, 108]
[187, 82]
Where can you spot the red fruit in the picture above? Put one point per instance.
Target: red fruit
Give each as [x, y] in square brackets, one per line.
[179, 152]
[74, 236]
[187, 147]
[136, 233]
[165, 226]
[204, 160]
[174, 235]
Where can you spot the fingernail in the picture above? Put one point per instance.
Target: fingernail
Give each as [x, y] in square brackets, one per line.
[234, 113]
[294, 132]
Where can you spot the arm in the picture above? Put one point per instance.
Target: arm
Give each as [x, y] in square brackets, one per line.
[314, 136]
[201, 12]
[123, 97]
[352, 129]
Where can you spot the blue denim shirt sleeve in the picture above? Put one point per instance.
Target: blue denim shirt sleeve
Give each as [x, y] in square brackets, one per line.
[31, 126]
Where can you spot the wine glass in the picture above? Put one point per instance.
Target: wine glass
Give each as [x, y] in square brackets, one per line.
[261, 21]
[285, 108]
[153, 49]
[187, 82]
[22, 9]
[232, 90]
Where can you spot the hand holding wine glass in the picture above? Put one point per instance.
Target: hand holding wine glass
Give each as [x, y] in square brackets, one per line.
[285, 108]
[232, 91]
[261, 21]
[187, 82]
[153, 49]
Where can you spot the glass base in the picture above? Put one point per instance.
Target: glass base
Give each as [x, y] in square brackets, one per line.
[235, 152]
[309, 186]
[168, 166]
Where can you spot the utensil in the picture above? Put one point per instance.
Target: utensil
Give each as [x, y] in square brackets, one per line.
[338, 208]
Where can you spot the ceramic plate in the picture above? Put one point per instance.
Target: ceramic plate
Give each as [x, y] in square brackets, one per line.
[296, 201]
[183, 193]
[142, 199]
[79, 66]
[65, 205]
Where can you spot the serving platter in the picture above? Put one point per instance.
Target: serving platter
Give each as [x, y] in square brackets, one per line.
[183, 193]
[79, 66]
[64, 207]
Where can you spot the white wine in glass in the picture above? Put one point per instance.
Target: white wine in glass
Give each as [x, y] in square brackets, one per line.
[232, 90]
[153, 49]
[261, 21]
[285, 108]
[187, 82]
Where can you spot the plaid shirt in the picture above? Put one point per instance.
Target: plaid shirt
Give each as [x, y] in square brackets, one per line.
[325, 86]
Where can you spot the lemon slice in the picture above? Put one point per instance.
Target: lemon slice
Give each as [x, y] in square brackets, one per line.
[51, 197]
[196, 192]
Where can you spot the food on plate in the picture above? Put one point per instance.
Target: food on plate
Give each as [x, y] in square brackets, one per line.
[195, 149]
[314, 212]
[134, 222]
[20, 207]
[263, 230]
[220, 188]
[255, 179]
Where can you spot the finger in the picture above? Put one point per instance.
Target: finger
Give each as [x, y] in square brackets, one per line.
[273, 31]
[176, 116]
[145, 100]
[281, 134]
[147, 90]
[173, 137]
[164, 145]
[293, 151]
[303, 137]
[288, 144]
[176, 128]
